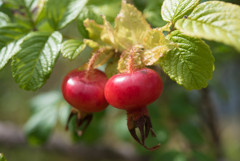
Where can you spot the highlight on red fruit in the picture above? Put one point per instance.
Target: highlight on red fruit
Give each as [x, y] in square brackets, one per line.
[132, 92]
[84, 90]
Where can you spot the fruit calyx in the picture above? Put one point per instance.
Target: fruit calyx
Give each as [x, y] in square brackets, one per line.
[140, 119]
[82, 121]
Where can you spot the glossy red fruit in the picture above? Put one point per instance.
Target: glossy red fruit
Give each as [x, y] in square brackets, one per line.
[133, 90]
[85, 91]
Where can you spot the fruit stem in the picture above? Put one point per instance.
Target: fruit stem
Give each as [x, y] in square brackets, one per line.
[130, 61]
[92, 61]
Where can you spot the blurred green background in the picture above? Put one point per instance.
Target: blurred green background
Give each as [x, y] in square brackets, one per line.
[190, 125]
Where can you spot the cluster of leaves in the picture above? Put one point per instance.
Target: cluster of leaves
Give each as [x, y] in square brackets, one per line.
[31, 36]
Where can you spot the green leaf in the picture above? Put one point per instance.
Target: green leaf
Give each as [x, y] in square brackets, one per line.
[87, 13]
[72, 48]
[33, 64]
[10, 40]
[218, 21]
[7, 52]
[4, 19]
[190, 63]
[46, 110]
[10, 33]
[130, 26]
[172, 10]
[2, 158]
[61, 13]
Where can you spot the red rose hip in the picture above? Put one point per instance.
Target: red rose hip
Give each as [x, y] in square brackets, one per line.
[132, 92]
[84, 90]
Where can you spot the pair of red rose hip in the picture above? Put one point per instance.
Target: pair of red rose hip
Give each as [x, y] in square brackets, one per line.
[91, 91]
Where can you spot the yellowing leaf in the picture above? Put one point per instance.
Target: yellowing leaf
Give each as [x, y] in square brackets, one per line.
[103, 57]
[107, 34]
[93, 29]
[153, 55]
[156, 45]
[130, 26]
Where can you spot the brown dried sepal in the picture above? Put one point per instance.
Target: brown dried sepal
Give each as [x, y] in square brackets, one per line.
[82, 121]
[140, 119]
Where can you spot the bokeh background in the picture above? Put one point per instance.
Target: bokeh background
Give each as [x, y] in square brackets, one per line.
[193, 125]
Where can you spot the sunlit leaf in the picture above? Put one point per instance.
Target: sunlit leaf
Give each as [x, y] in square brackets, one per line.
[214, 20]
[190, 63]
[72, 48]
[93, 29]
[61, 13]
[87, 13]
[108, 35]
[155, 46]
[130, 26]
[7, 52]
[33, 64]
[4, 19]
[173, 10]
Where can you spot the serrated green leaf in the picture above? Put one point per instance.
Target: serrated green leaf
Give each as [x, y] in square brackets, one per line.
[155, 46]
[10, 39]
[2, 158]
[87, 13]
[130, 26]
[7, 52]
[172, 10]
[4, 19]
[218, 21]
[46, 110]
[33, 64]
[61, 13]
[72, 48]
[190, 63]
[10, 33]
